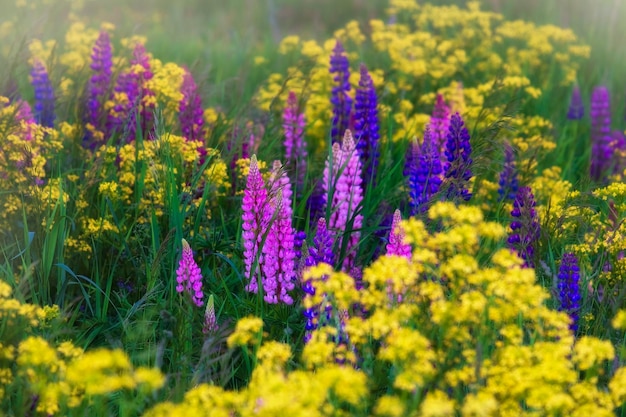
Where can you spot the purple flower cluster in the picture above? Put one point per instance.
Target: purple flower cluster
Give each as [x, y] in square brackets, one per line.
[189, 276]
[366, 124]
[458, 154]
[340, 98]
[601, 149]
[210, 320]
[191, 113]
[525, 226]
[133, 107]
[342, 184]
[268, 216]
[568, 286]
[423, 172]
[576, 109]
[100, 82]
[44, 95]
[508, 183]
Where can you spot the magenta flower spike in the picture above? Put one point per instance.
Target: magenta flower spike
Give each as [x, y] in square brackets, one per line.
[396, 245]
[343, 184]
[255, 218]
[189, 276]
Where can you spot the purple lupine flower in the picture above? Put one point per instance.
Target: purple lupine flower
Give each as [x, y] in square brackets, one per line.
[423, 174]
[576, 109]
[189, 276]
[279, 257]
[44, 94]
[396, 245]
[134, 104]
[100, 82]
[320, 251]
[525, 226]
[295, 145]
[340, 99]
[366, 124]
[458, 154]
[24, 117]
[191, 114]
[342, 180]
[568, 285]
[601, 150]
[210, 320]
[508, 183]
[440, 123]
[255, 218]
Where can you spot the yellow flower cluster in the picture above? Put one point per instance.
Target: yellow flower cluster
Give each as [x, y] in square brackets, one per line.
[61, 377]
[431, 49]
[459, 329]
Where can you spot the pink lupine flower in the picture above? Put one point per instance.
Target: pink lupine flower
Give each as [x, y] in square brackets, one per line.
[279, 266]
[189, 276]
[342, 179]
[396, 245]
[255, 218]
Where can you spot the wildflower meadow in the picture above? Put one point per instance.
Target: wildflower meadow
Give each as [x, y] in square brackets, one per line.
[312, 208]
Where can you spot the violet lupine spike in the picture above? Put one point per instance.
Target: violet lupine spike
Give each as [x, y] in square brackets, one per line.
[189, 276]
[366, 125]
[320, 251]
[525, 226]
[508, 183]
[295, 145]
[396, 245]
[210, 325]
[24, 117]
[99, 82]
[601, 150]
[191, 113]
[340, 100]
[459, 162]
[44, 94]
[279, 266]
[576, 109]
[255, 218]
[133, 98]
[440, 123]
[423, 172]
[568, 285]
[344, 182]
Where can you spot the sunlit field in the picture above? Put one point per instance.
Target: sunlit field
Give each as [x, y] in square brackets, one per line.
[312, 208]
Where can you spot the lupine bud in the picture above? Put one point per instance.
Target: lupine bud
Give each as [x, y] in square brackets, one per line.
[210, 320]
